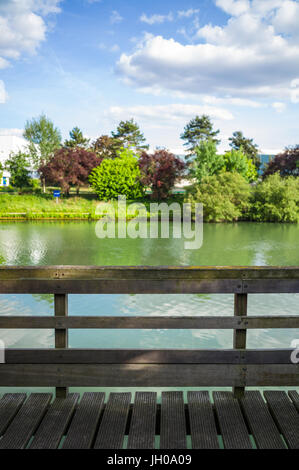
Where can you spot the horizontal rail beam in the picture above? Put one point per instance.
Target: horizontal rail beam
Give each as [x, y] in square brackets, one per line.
[163, 322]
[147, 375]
[148, 356]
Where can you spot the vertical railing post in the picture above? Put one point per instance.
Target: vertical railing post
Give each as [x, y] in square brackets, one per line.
[61, 334]
[240, 310]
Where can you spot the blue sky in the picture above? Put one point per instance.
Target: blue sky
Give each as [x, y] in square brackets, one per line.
[91, 63]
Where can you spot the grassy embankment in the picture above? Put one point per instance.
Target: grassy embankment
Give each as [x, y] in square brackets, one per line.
[84, 207]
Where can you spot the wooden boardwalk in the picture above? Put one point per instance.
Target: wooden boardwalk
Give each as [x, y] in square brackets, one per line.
[35, 422]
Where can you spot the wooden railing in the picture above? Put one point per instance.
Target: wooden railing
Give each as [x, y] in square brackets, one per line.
[62, 367]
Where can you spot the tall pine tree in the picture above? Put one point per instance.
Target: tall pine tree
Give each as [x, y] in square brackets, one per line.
[198, 130]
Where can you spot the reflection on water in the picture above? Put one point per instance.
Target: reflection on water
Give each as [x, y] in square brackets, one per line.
[46, 243]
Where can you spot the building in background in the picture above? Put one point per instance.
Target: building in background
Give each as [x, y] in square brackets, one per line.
[9, 144]
[264, 159]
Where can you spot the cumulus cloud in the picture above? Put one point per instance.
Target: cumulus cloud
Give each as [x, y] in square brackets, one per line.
[248, 57]
[23, 26]
[279, 106]
[187, 13]
[3, 94]
[156, 19]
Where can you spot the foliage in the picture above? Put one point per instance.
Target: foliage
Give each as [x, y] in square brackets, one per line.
[236, 161]
[76, 139]
[198, 130]
[239, 142]
[70, 167]
[129, 134]
[18, 166]
[119, 176]
[276, 199]
[225, 197]
[206, 161]
[286, 163]
[106, 147]
[159, 171]
[43, 137]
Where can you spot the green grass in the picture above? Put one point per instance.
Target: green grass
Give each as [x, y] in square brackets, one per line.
[43, 206]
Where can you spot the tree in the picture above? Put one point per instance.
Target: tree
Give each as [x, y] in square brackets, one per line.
[70, 167]
[236, 161]
[198, 130]
[248, 147]
[118, 176]
[160, 171]
[76, 139]
[128, 132]
[18, 166]
[43, 137]
[206, 161]
[107, 147]
[286, 163]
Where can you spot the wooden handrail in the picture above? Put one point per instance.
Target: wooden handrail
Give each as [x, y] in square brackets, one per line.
[62, 367]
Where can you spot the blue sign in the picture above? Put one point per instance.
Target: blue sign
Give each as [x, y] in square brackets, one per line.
[4, 181]
[56, 193]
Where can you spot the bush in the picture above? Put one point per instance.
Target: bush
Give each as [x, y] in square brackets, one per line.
[160, 171]
[225, 197]
[276, 199]
[18, 166]
[286, 163]
[235, 161]
[120, 176]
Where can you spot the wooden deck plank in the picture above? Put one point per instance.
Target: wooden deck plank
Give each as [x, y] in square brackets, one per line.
[10, 404]
[84, 424]
[294, 396]
[53, 425]
[233, 428]
[173, 421]
[113, 425]
[261, 424]
[285, 416]
[26, 421]
[143, 423]
[202, 422]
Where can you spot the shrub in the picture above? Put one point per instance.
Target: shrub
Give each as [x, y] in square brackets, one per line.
[276, 199]
[18, 166]
[286, 163]
[159, 171]
[120, 176]
[225, 197]
[235, 161]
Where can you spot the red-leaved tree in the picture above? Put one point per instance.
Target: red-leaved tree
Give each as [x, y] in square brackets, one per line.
[159, 171]
[286, 163]
[70, 167]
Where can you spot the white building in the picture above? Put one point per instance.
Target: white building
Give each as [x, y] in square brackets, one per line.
[8, 144]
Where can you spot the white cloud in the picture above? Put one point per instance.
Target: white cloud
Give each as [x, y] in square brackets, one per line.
[156, 19]
[11, 132]
[113, 48]
[278, 106]
[246, 58]
[286, 19]
[168, 114]
[115, 17]
[187, 13]
[22, 26]
[295, 90]
[3, 94]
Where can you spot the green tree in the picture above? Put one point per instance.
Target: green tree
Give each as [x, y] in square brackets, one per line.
[236, 161]
[106, 147]
[225, 197]
[18, 166]
[199, 129]
[239, 142]
[119, 176]
[128, 132]
[43, 137]
[206, 162]
[76, 139]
